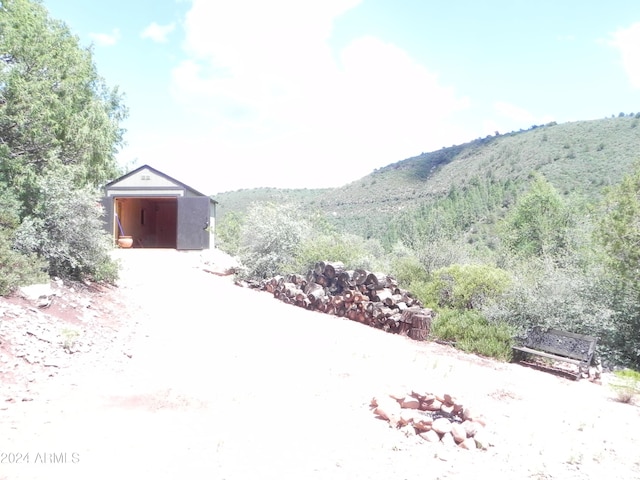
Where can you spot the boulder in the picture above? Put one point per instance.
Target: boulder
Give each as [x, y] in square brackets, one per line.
[430, 436]
[386, 408]
[458, 432]
[34, 292]
[410, 402]
[446, 408]
[470, 413]
[432, 406]
[447, 440]
[470, 427]
[441, 425]
[468, 444]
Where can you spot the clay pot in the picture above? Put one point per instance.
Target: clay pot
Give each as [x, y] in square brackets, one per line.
[125, 242]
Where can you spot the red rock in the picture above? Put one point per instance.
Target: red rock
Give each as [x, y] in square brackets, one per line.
[447, 440]
[417, 396]
[458, 432]
[387, 408]
[410, 402]
[432, 406]
[470, 414]
[446, 408]
[470, 427]
[430, 436]
[468, 444]
[441, 425]
[380, 412]
[457, 408]
[448, 399]
[422, 426]
[407, 415]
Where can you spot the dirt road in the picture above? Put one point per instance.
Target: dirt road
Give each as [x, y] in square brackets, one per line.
[209, 380]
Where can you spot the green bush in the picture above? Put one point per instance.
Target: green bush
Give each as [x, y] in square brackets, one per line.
[17, 269]
[472, 333]
[228, 233]
[579, 299]
[466, 286]
[409, 271]
[66, 230]
[270, 238]
[353, 251]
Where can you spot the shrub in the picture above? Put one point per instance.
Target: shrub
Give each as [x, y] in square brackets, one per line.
[348, 249]
[577, 299]
[228, 233]
[472, 333]
[466, 286]
[270, 238]
[626, 384]
[17, 269]
[409, 271]
[66, 230]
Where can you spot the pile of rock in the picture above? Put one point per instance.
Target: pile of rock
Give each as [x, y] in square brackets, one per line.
[433, 418]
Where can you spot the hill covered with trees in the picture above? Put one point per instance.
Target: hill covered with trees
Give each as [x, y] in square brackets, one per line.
[553, 208]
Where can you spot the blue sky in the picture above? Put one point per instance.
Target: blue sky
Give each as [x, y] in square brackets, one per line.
[302, 94]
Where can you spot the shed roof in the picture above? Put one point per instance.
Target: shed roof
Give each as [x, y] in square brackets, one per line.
[161, 174]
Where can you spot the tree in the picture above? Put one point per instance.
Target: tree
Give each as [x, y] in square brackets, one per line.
[59, 133]
[539, 223]
[619, 234]
[53, 105]
[619, 228]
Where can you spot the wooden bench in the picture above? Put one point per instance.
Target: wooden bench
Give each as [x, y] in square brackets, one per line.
[561, 346]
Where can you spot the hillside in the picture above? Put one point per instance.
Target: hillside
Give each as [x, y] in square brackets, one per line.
[577, 158]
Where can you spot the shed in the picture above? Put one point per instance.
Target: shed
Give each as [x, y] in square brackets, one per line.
[158, 211]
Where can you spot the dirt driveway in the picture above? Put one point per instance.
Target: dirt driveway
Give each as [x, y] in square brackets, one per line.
[207, 380]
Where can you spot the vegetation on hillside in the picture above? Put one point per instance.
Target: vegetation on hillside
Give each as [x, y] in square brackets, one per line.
[59, 132]
[534, 228]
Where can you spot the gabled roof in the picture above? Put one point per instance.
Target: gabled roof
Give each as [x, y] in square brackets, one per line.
[159, 173]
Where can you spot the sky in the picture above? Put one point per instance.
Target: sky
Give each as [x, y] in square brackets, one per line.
[226, 95]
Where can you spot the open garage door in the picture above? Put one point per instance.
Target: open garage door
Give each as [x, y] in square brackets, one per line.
[193, 221]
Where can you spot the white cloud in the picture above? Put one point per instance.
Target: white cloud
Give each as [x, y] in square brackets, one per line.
[106, 39]
[283, 109]
[627, 41]
[158, 33]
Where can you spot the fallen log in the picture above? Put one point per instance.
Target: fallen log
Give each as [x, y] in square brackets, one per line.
[333, 269]
[359, 276]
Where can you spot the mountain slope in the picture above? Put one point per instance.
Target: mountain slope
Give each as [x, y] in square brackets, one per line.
[577, 158]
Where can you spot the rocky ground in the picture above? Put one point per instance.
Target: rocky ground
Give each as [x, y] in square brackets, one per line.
[177, 373]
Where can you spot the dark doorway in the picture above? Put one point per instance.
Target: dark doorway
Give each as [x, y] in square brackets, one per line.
[152, 222]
